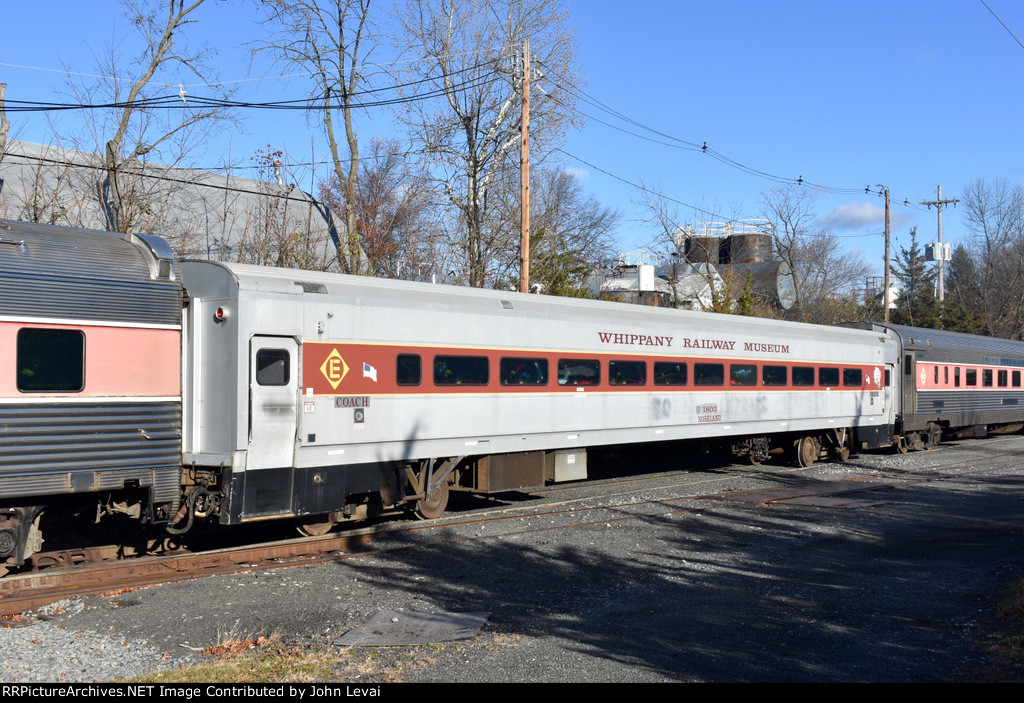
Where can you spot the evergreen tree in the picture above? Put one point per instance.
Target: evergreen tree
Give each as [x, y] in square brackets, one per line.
[962, 308]
[917, 304]
[958, 317]
[557, 269]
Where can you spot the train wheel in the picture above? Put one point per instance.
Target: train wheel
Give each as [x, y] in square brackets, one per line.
[433, 506]
[315, 526]
[901, 445]
[843, 453]
[807, 450]
[934, 436]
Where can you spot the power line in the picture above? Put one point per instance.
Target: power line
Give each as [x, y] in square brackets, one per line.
[689, 145]
[645, 189]
[1008, 30]
[179, 101]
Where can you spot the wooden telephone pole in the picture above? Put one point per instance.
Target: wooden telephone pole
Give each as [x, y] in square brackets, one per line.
[524, 177]
[4, 124]
[887, 265]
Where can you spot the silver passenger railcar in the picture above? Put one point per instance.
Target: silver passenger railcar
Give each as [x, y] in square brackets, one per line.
[304, 390]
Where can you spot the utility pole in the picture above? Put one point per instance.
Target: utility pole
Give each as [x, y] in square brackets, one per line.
[524, 177]
[4, 124]
[941, 255]
[886, 252]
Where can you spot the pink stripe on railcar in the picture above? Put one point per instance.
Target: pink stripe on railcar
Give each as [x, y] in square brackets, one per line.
[119, 361]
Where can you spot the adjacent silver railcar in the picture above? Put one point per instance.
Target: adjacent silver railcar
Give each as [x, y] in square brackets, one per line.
[954, 383]
[90, 399]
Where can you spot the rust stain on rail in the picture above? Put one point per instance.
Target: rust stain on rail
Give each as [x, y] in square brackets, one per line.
[825, 495]
[21, 592]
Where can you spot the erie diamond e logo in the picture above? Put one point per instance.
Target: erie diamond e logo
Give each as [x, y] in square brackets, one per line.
[334, 368]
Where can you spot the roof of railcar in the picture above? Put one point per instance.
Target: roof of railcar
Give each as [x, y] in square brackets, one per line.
[66, 273]
[957, 346]
[432, 296]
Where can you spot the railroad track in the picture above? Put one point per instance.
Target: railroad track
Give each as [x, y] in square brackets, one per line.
[100, 570]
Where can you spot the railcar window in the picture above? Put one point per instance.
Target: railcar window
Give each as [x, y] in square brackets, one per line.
[273, 367]
[669, 373]
[888, 378]
[50, 360]
[854, 377]
[936, 375]
[1001, 378]
[515, 371]
[970, 377]
[627, 373]
[774, 375]
[803, 375]
[408, 370]
[1015, 379]
[828, 376]
[460, 370]
[986, 377]
[956, 377]
[708, 374]
[742, 375]
[945, 374]
[579, 372]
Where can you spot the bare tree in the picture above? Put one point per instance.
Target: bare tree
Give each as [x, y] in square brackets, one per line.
[392, 210]
[331, 40]
[668, 229]
[276, 228]
[821, 266]
[40, 183]
[572, 233]
[133, 131]
[994, 216]
[47, 193]
[466, 51]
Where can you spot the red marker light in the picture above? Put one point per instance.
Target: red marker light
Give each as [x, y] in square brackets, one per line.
[220, 315]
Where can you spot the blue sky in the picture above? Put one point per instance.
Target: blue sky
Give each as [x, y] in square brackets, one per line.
[907, 94]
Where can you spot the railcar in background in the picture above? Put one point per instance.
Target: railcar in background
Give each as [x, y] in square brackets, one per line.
[954, 383]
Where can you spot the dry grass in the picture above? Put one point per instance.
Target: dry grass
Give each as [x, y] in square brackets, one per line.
[264, 659]
[1007, 645]
[235, 646]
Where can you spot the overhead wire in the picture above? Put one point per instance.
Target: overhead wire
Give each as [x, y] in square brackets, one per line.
[1008, 30]
[653, 135]
[688, 145]
[178, 100]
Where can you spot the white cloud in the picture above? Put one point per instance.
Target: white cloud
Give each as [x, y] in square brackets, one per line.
[857, 216]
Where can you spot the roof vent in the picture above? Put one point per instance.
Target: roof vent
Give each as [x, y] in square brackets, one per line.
[308, 287]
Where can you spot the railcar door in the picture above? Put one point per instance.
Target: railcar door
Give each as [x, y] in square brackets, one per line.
[909, 391]
[273, 402]
[888, 409]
